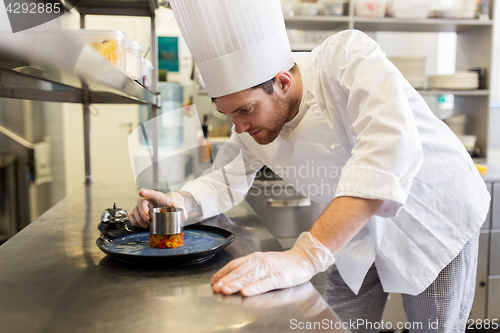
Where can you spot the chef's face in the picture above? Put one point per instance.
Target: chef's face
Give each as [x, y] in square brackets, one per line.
[260, 114]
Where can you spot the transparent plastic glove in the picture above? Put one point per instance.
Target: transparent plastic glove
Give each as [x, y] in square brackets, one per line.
[263, 271]
[140, 215]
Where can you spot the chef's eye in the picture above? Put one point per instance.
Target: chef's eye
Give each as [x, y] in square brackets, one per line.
[245, 110]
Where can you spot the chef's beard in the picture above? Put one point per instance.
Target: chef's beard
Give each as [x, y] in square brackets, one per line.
[284, 111]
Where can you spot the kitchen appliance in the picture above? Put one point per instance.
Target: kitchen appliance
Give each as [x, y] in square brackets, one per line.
[284, 211]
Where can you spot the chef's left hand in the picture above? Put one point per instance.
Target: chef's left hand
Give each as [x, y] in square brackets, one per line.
[260, 272]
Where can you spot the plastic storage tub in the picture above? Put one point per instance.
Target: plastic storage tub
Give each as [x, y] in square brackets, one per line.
[469, 9]
[370, 8]
[457, 124]
[332, 7]
[446, 8]
[134, 55]
[111, 44]
[307, 8]
[415, 9]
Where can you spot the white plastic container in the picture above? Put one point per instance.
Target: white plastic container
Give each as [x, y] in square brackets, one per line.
[370, 8]
[134, 55]
[332, 7]
[469, 141]
[307, 8]
[287, 7]
[110, 44]
[146, 69]
[446, 9]
[469, 9]
[457, 124]
[414, 9]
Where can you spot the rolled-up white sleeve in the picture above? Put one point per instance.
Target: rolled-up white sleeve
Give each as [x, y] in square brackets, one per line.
[387, 153]
[227, 182]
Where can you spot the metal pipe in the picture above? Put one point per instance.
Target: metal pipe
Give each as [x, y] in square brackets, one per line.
[154, 108]
[86, 121]
[86, 142]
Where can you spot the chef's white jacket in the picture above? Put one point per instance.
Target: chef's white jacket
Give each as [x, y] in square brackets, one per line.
[363, 131]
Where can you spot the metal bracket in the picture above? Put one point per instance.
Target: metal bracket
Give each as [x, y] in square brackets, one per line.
[157, 100]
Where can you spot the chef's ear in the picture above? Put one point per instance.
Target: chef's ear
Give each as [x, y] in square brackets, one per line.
[283, 80]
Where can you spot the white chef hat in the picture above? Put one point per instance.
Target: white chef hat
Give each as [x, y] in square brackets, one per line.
[237, 44]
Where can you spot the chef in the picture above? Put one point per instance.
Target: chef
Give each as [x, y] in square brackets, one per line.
[402, 200]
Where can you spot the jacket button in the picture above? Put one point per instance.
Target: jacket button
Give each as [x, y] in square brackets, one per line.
[332, 147]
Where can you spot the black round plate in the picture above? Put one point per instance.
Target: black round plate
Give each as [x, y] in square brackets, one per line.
[201, 242]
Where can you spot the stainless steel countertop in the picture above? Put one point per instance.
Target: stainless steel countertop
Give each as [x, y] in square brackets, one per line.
[53, 278]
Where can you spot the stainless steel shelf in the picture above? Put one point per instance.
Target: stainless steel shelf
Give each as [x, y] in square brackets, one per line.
[384, 24]
[118, 7]
[14, 84]
[479, 92]
[317, 22]
[425, 25]
[54, 67]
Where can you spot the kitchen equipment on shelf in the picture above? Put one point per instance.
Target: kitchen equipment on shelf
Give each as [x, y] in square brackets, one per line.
[201, 242]
[110, 44]
[446, 9]
[482, 75]
[412, 68]
[414, 9]
[112, 219]
[307, 8]
[484, 10]
[469, 142]
[306, 40]
[370, 8]
[166, 228]
[456, 123]
[334, 7]
[287, 7]
[134, 55]
[458, 81]
[469, 8]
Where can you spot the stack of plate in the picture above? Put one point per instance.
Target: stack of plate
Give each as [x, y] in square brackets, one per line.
[412, 68]
[457, 81]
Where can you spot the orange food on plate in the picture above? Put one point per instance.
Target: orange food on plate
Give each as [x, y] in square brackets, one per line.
[166, 241]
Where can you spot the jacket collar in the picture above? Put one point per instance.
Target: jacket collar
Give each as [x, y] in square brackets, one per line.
[305, 101]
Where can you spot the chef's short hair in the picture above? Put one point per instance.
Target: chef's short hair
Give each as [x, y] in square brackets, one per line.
[268, 85]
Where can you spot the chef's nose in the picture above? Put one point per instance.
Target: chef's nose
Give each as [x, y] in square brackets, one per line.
[240, 125]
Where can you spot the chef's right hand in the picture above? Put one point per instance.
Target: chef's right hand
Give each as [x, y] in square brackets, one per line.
[140, 215]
